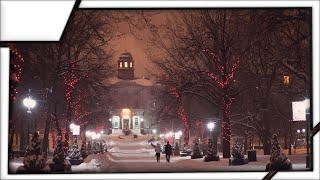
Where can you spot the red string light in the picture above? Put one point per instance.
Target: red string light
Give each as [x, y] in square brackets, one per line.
[53, 135]
[181, 113]
[16, 63]
[223, 83]
[70, 81]
[227, 102]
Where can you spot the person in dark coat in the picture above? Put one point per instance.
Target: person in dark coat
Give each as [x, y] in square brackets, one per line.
[168, 151]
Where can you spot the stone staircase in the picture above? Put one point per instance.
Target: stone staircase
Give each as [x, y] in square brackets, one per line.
[129, 148]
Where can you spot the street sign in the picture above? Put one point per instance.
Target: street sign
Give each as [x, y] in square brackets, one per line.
[76, 130]
[299, 110]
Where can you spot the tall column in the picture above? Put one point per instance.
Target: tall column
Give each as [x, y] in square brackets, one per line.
[121, 123]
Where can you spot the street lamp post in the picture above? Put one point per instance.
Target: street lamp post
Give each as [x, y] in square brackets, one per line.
[210, 126]
[213, 136]
[308, 119]
[177, 136]
[30, 104]
[154, 131]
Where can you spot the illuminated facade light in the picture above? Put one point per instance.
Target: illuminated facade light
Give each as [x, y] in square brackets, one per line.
[286, 80]
[298, 131]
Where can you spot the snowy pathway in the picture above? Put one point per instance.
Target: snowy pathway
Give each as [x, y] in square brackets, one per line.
[127, 154]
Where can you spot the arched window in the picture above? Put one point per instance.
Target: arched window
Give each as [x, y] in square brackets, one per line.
[120, 65]
[125, 64]
[131, 64]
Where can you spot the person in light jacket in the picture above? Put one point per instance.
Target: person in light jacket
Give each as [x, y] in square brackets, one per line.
[157, 149]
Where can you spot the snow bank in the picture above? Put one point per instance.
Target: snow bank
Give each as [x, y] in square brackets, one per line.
[93, 166]
[15, 164]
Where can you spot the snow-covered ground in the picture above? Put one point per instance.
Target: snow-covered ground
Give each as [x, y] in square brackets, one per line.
[128, 154]
[15, 164]
[91, 166]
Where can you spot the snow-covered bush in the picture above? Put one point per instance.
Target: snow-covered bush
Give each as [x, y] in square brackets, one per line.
[211, 154]
[33, 161]
[196, 153]
[237, 151]
[59, 162]
[237, 155]
[176, 151]
[278, 160]
[74, 152]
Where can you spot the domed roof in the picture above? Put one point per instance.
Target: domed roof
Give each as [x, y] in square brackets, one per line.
[125, 55]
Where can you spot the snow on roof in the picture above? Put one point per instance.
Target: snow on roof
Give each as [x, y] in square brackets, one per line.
[144, 82]
[139, 81]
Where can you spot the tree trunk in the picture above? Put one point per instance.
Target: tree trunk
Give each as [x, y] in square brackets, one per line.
[47, 129]
[245, 147]
[11, 130]
[215, 140]
[58, 127]
[51, 99]
[226, 129]
[290, 139]
[266, 134]
[285, 140]
[266, 144]
[67, 137]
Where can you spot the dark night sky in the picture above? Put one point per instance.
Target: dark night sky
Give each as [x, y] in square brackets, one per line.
[137, 43]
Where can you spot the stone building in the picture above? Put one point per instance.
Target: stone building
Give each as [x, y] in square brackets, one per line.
[132, 99]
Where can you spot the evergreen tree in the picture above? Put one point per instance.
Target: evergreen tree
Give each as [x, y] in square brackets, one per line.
[276, 150]
[211, 152]
[278, 160]
[237, 155]
[59, 154]
[74, 152]
[237, 151]
[196, 153]
[59, 162]
[33, 161]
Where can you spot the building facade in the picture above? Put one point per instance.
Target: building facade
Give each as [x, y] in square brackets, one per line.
[132, 100]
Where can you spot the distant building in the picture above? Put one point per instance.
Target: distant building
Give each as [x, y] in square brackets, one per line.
[132, 103]
[126, 66]
[132, 99]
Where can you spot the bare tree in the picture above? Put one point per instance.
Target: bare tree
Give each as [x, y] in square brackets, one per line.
[77, 64]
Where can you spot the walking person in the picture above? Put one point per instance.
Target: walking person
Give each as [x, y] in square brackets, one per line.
[168, 151]
[157, 149]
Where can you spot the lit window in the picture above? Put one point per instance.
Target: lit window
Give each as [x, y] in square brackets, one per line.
[126, 64]
[120, 65]
[131, 64]
[286, 80]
